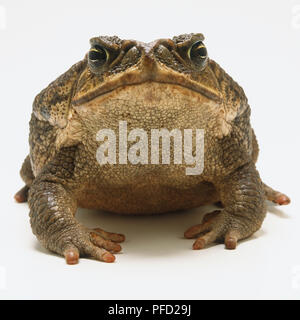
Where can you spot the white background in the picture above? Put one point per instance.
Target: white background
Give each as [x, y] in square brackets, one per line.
[258, 44]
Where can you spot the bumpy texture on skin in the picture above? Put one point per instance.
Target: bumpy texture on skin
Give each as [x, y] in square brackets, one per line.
[150, 86]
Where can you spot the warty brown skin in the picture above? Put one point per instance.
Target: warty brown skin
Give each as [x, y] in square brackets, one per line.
[151, 86]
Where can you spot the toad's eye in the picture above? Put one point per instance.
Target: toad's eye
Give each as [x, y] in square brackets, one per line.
[98, 55]
[198, 53]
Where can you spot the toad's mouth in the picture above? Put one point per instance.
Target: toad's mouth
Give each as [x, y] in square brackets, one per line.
[208, 87]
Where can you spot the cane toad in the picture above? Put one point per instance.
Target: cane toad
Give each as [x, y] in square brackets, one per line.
[168, 84]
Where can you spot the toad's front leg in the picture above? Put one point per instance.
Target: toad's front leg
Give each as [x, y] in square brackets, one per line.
[243, 197]
[52, 208]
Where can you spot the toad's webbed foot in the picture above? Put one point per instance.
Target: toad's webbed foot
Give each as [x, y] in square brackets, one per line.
[28, 177]
[211, 230]
[52, 202]
[276, 196]
[243, 197]
[22, 195]
[52, 220]
[95, 243]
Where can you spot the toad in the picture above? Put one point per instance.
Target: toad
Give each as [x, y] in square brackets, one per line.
[168, 85]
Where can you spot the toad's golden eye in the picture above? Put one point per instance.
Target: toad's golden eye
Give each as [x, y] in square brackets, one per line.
[198, 53]
[98, 55]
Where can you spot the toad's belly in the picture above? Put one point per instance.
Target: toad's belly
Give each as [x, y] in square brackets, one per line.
[146, 197]
[132, 116]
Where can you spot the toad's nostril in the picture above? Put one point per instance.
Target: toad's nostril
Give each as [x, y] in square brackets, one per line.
[131, 56]
[163, 53]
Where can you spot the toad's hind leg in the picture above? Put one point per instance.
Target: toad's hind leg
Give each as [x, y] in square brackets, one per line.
[276, 196]
[271, 195]
[28, 177]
